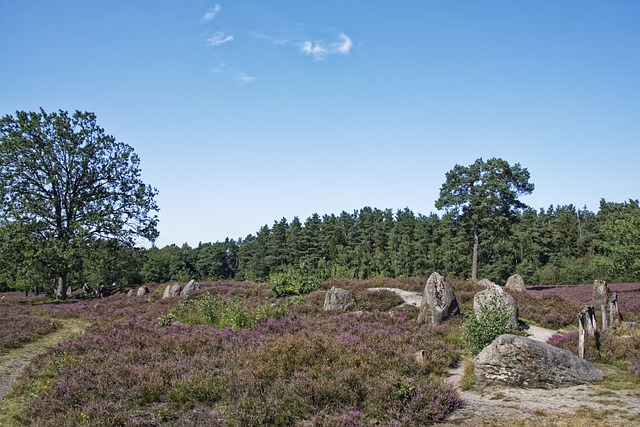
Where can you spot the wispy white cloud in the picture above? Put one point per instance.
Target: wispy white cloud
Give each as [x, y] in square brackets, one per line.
[342, 45]
[219, 38]
[211, 13]
[243, 78]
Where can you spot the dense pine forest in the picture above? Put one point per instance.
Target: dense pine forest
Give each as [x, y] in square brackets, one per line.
[557, 245]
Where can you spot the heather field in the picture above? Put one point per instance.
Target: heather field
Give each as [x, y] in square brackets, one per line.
[234, 355]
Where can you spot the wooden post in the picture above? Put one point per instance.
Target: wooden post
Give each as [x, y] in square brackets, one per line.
[592, 325]
[614, 315]
[581, 332]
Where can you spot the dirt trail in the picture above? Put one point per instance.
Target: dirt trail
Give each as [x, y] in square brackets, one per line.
[409, 298]
[12, 364]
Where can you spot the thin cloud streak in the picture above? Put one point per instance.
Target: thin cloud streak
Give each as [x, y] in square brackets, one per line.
[219, 38]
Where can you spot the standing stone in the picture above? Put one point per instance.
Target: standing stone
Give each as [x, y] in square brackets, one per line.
[494, 297]
[522, 362]
[338, 300]
[601, 293]
[191, 287]
[142, 291]
[439, 303]
[515, 283]
[131, 293]
[172, 291]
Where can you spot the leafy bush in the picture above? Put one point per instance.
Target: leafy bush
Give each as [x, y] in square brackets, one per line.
[493, 320]
[293, 281]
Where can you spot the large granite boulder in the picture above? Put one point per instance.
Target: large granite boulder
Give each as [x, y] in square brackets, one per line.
[172, 291]
[495, 298]
[515, 283]
[338, 299]
[142, 291]
[439, 303]
[522, 362]
[190, 288]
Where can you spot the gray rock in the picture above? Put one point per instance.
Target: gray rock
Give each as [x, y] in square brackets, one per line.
[131, 293]
[522, 362]
[515, 283]
[190, 288]
[492, 298]
[439, 303]
[338, 299]
[142, 291]
[172, 291]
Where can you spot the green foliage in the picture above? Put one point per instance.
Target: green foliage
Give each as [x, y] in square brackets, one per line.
[213, 310]
[492, 321]
[69, 185]
[293, 281]
[483, 197]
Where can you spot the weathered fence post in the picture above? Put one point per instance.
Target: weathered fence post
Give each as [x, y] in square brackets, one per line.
[586, 324]
[582, 317]
[614, 314]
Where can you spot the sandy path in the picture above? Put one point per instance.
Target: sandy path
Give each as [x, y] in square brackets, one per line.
[410, 298]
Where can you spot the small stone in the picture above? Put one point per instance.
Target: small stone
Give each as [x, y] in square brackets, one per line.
[338, 299]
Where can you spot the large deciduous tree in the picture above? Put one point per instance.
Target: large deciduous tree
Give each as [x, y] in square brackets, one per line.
[68, 185]
[484, 196]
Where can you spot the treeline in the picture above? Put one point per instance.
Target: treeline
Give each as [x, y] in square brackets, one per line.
[558, 245]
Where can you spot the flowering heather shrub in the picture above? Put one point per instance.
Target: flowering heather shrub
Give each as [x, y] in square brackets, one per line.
[413, 284]
[377, 301]
[19, 329]
[305, 367]
[567, 341]
[628, 295]
[547, 310]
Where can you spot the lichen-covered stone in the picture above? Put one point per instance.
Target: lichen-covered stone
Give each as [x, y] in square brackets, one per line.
[522, 362]
[338, 299]
[494, 297]
[515, 283]
[439, 302]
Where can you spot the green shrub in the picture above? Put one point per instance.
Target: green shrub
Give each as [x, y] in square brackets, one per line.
[494, 321]
[293, 281]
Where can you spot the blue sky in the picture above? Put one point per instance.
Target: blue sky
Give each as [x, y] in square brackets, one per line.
[245, 112]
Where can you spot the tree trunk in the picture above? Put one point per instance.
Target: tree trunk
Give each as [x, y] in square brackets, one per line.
[474, 262]
[61, 287]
